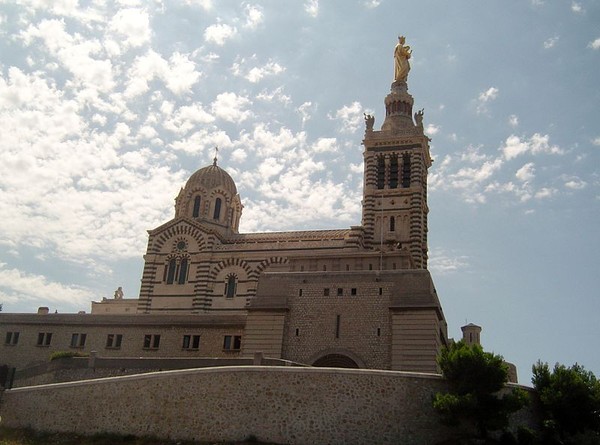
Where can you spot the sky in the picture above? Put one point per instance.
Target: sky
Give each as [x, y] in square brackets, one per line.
[108, 106]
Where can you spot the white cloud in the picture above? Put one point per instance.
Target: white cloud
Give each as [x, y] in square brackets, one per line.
[231, 107]
[574, 183]
[312, 7]
[545, 192]
[219, 33]
[17, 285]
[350, 117]
[371, 4]
[254, 16]
[513, 120]
[256, 73]
[306, 109]
[550, 42]
[515, 146]
[133, 25]
[595, 44]
[596, 141]
[178, 73]
[205, 4]
[442, 262]
[526, 173]
[325, 145]
[186, 118]
[484, 97]
[276, 95]
[76, 53]
[432, 130]
[576, 7]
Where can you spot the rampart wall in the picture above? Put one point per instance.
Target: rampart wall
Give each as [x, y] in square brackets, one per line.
[275, 404]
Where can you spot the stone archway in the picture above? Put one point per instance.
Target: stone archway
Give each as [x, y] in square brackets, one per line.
[335, 361]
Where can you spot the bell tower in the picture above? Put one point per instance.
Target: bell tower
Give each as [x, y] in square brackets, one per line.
[396, 161]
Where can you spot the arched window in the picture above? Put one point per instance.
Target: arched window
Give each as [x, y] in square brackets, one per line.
[196, 211]
[394, 172]
[406, 170]
[172, 265]
[217, 213]
[183, 269]
[392, 224]
[230, 286]
[380, 172]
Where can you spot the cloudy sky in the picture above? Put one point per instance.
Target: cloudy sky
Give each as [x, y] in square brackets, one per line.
[107, 106]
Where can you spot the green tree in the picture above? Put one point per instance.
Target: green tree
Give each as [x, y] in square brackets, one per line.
[570, 401]
[476, 379]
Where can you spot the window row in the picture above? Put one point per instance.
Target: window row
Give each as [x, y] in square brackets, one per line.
[339, 291]
[397, 174]
[114, 341]
[216, 210]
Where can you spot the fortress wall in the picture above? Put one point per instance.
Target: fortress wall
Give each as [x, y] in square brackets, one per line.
[280, 405]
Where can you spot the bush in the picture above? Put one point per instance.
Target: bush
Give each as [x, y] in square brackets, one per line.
[67, 354]
[570, 399]
[475, 379]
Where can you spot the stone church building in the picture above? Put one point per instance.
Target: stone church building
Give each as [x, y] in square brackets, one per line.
[351, 297]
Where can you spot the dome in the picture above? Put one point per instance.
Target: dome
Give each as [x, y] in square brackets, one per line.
[212, 177]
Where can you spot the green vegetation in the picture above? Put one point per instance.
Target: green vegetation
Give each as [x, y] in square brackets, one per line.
[9, 436]
[474, 401]
[66, 354]
[570, 403]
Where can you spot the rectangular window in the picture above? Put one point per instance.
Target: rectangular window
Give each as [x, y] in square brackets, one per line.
[113, 341]
[232, 342]
[381, 291]
[326, 291]
[191, 342]
[12, 338]
[300, 292]
[337, 326]
[78, 340]
[44, 339]
[340, 291]
[151, 341]
[353, 291]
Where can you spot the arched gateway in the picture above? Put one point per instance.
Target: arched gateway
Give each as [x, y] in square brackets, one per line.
[335, 361]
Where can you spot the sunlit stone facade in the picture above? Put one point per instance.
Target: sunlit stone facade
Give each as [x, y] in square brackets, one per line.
[353, 297]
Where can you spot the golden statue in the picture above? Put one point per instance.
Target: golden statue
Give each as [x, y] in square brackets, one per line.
[401, 65]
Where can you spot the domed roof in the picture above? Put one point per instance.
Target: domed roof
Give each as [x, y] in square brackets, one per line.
[211, 177]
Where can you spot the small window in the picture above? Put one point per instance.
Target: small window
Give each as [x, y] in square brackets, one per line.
[340, 291]
[230, 286]
[196, 211]
[217, 213]
[171, 266]
[370, 267]
[337, 325]
[392, 224]
[44, 339]
[378, 332]
[191, 342]
[12, 338]
[297, 332]
[183, 269]
[299, 292]
[353, 291]
[324, 268]
[78, 340]
[151, 341]
[113, 341]
[232, 342]
[326, 291]
[380, 291]
[347, 266]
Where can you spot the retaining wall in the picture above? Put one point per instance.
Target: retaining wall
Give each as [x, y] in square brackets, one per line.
[279, 405]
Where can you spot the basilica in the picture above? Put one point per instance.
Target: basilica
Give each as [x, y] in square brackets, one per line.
[359, 297]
